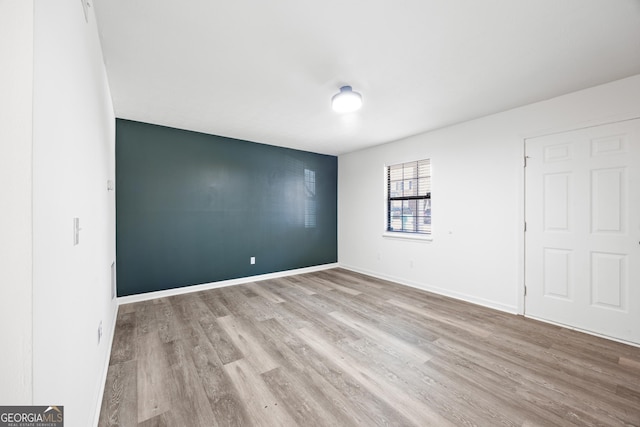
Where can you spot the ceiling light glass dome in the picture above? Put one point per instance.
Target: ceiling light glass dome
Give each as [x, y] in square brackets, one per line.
[346, 101]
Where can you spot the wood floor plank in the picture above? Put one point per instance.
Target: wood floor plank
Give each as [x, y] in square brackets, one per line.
[157, 421]
[278, 288]
[263, 309]
[300, 284]
[357, 280]
[190, 308]
[120, 401]
[339, 348]
[413, 332]
[153, 377]
[264, 292]
[248, 342]
[459, 323]
[190, 404]
[346, 289]
[170, 326]
[226, 404]
[461, 405]
[220, 341]
[350, 403]
[404, 403]
[483, 382]
[385, 339]
[124, 340]
[628, 393]
[595, 384]
[261, 405]
[284, 314]
[543, 387]
[215, 304]
[235, 301]
[145, 317]
[630, 363]
[315, 282]
[308, 314]
[304, 407]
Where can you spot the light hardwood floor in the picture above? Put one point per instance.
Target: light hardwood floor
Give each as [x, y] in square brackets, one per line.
[337, 348]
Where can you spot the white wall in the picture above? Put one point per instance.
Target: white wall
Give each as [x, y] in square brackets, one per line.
[73, 157]
[476, 252]
[16, 85]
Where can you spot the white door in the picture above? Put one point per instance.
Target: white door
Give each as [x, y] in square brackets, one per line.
[582, 250]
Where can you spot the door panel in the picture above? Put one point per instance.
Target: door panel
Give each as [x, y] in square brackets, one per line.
[608, 200]
[556, 201]
[582, 245]
[557, 272]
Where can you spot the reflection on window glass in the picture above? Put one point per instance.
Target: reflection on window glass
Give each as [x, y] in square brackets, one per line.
[310, 202]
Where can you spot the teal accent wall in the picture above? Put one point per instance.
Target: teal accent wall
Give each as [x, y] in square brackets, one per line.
[193, 208]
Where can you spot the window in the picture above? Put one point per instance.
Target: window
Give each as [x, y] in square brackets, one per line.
[409, 197]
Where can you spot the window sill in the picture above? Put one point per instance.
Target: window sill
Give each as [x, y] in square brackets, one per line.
[408, 236]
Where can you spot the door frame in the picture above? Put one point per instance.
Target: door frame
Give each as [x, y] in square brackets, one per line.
[522, 197]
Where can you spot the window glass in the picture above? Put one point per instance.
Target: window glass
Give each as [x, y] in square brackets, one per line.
[409, 197]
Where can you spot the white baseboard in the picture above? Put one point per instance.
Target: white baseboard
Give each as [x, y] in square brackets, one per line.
[584, 331]
[105, 368]
[436, 290]
[221, 284]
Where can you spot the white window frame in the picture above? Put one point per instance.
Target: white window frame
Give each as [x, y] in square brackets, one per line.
[402, 235]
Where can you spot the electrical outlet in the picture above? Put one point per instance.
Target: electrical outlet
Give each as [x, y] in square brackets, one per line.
[252, 260]
[99, 332]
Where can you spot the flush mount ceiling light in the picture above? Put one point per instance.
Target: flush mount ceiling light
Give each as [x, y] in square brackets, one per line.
[347, 101]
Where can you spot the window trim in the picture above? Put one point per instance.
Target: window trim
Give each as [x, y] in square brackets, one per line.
[402, 235]
[407, 236]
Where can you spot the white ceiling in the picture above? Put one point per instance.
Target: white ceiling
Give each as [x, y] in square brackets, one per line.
[265, 71]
